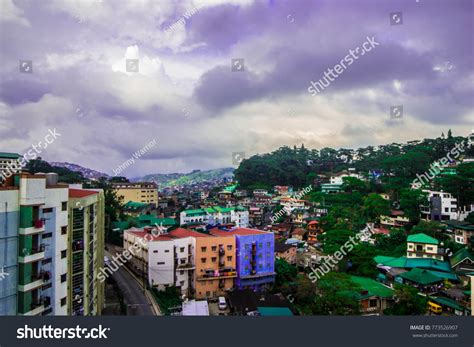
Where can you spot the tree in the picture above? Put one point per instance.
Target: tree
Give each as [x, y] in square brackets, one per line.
[338, 295]
[407, 302]
[351, 184]
[410, 201]
[470, 218]
[285, 272]
[375, 205]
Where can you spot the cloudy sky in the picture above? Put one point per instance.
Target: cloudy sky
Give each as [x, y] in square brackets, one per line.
[186, 96]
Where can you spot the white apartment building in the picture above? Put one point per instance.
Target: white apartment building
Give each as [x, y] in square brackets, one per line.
[216, 215]
[33, 245]
[167, 259]
[443, 206]
[338, 179]
[291, 204]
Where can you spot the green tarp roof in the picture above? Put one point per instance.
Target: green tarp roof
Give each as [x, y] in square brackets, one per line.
[422, 238]
[274, 311]
[9, 155]
[448, 302]
[404, 262]
[373, 287]
[425, 277]
[460, 255]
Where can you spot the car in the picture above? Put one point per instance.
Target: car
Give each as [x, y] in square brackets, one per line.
[222, 303]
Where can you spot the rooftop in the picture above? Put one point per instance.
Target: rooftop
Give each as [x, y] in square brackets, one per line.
[237, 231]
[373, 287]
[81, 193]
[422, 238]
[9, 155]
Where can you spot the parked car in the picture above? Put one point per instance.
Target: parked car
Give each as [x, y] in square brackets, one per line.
[222, 303]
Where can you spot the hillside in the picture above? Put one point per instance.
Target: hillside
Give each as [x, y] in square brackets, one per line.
[86, 172]
[194, 177]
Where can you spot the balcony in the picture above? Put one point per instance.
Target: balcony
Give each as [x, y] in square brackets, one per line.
[35, 255]
[218, 274]
[34, 309]
[37, 226]
[33, 282]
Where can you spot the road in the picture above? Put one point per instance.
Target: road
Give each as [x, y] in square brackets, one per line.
[135, 299]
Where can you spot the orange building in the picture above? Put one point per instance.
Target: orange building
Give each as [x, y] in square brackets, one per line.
[215, 265]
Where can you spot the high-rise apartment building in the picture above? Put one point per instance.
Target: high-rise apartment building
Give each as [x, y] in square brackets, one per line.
[85, 252]
[33, 245]
[40, 263]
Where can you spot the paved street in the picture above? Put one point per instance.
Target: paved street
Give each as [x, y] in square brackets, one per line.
[136, 301]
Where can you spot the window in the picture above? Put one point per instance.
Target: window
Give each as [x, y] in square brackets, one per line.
[246, 246]
[247, 268]
[260, 245]
[182, 283]
[47, 286]
[373, 303]
[160, 263]
[246, 257]
[229, 258]
[268, 244]
[155, 251]
[429, 248]
[47, 210]
[446, 209]
[63, 278]
[229, 247]
[214, 259]
[208, 293]
[203, 249]
[64, 206]
[47, 235]
[181, 272]
[64, 230]
[181, 249]
[214, 248]
[63, 301]
[46, 261]
[167, 250]
[203, 260]
[63, 254]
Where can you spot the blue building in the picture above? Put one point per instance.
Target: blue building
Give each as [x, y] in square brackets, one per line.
[255, 258]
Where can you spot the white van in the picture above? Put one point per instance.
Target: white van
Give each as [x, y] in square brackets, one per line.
[222, 303]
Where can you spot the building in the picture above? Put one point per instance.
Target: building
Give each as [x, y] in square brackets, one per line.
[9, 165]
[135, 209]
[85, 252]
[215, 265]
[423, 246]
[462, 231]
[328, 188]
[290, 204]
[442, 206]
[339, 178]
[33, 245]
[195, 308]
[396, 219]
[143, 192]
[255, 257]
[373, 296]
[238, 215]
[255, 216]
[166, 259]
[285, 252]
